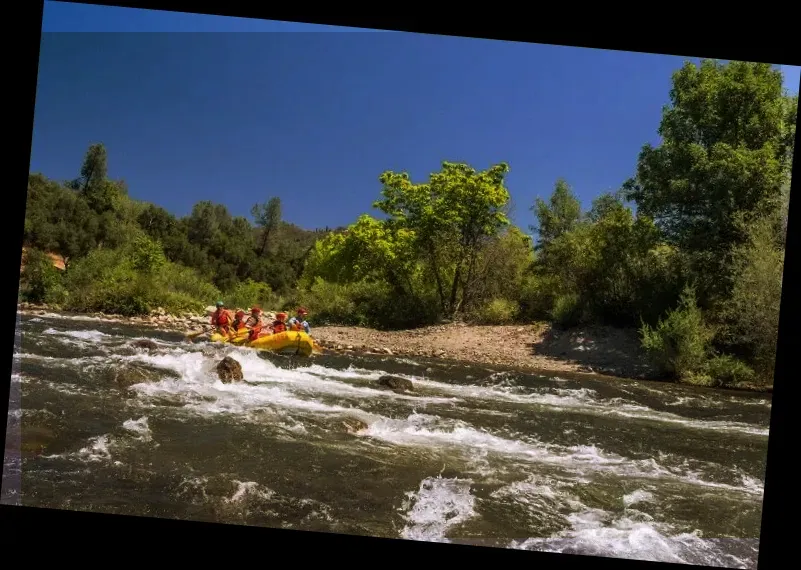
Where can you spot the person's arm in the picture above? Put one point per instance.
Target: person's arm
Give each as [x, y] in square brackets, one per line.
[306, 327]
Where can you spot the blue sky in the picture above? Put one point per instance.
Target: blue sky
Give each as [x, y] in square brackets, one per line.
[315, 117]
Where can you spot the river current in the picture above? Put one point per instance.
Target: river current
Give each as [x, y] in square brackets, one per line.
[625, 469]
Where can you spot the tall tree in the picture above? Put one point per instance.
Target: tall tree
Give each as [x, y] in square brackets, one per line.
[723, 160]
[94, 169]
[724, 152]
[268, 218]
[559, 215]
[451, 217]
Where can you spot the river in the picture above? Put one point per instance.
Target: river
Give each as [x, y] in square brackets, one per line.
[626, 469]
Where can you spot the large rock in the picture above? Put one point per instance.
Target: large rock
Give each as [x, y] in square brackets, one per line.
[396, 383]
[145, 344]
[127, 375]
[229, 370]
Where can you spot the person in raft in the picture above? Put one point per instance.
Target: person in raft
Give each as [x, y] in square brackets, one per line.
[299, 322]
[239, 321]
[254, 323]
[279, 324]
[221, 319]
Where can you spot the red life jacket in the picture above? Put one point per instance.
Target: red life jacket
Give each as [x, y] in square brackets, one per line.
[221, 318]
[254, 332]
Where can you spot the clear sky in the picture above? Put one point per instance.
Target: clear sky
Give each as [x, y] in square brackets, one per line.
[315, 117]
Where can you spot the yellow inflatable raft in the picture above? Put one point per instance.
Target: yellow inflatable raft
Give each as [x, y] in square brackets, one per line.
[289, 342]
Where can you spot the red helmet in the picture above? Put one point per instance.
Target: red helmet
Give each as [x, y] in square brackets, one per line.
[302, 311]
[255, 310]
[240, 313]
[281, 316]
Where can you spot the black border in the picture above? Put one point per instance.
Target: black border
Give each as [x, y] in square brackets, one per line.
[684, 32]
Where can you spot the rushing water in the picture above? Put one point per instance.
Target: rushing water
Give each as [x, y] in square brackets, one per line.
[626, 469]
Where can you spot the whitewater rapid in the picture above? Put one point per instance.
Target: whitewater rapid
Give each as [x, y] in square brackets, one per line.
[472, 456]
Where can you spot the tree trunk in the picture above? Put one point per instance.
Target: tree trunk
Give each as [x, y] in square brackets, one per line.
[453, 307]
[265, 237]
[437, 277]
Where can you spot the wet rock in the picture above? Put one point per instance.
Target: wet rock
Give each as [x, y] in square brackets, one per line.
[387, 351]
[229, 370]
[127, 375]
[353, 425]
[396, 383]
[439, 353]
[170, 401]
[145, 344]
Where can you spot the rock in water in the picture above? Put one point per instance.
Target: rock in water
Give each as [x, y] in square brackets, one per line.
[396, 383]
[127, 375]
[229, 370]
[352, 425]
[145, 343]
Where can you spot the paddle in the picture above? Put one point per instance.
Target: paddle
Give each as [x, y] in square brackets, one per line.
[195, 334]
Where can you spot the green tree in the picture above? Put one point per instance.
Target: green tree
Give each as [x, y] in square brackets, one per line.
[605, 205]
[451, 217]
[724, 153]
[94, 169]
[751, 314]
[146, 255]
[559, 215]
[369, 249]
[268, 218]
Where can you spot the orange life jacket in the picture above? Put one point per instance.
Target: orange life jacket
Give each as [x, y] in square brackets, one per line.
[254, 332]
[221, 318]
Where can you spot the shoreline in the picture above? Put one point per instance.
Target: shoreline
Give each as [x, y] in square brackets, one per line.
[593, 352]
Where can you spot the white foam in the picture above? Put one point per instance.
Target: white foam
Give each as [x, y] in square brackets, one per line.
[430, 431]
[91, 335]
[97, 450]
[140, 427]
[436, 507]
[638, 496]
[584, 400]
[595, 532]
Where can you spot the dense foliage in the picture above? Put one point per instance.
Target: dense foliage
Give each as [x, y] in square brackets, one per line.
[697, 268]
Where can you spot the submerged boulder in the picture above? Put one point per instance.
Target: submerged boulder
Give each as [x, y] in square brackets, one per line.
[353, 425]
[229, 370]
[396, 383]
[127, 375]
[145, 344]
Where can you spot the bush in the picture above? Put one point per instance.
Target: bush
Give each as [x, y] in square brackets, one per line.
[249, 293]
[726, 370]
[184, 286]
[116, 281]
[42, 282]
[567, 310]
[680, 343]
[367, 304]
[751, 312]
[498, 312]
[332, 304]
[538, 295]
